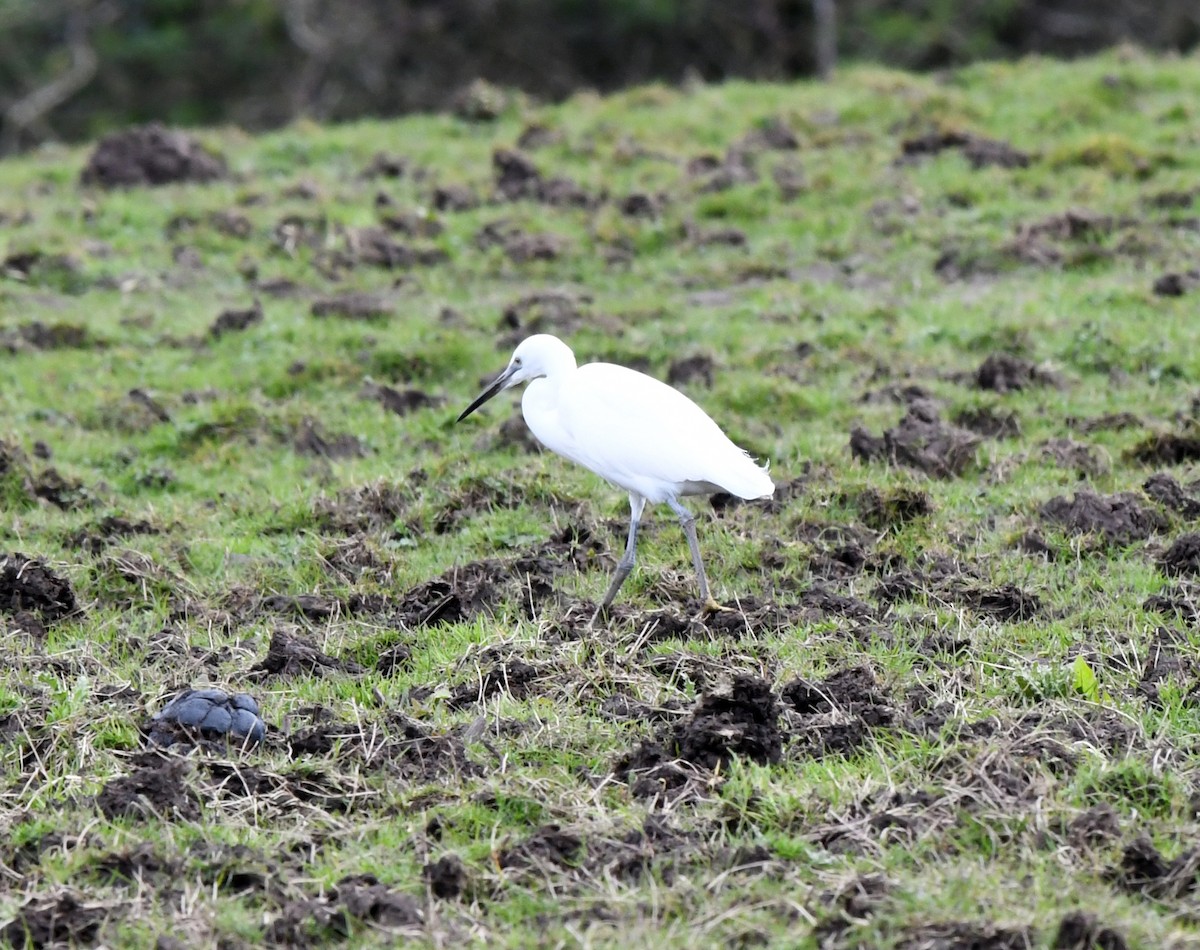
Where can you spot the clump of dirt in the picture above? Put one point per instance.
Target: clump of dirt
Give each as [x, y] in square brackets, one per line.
[856, 901]
[517, 178]
[1079, 930]
[454, 198]
[548, 846]
[355, 305]
[375, 247]
[1167, 448]
[446, 877]
[954, 934]
[150, 155]
[519, 245]
[1085, 459]
[99, 535]
[851, 706]
[981, 152]
[741, 720]
[690, 369]
[1177, 283]
[291, 655]
[372, 507]
[36, 335]
[513, 676]
[401, 401]
[1143, 870]
[881, 510]
[546, 311]
[235, 320]
[920, 441]
[312, 439]
[155, 788]
[989, 423]
[29, 586]
[55, 920]
[1182, 557]
[1006, 372]
[714, 173]
[1118, 519]
[1165, 490]
[360, 897]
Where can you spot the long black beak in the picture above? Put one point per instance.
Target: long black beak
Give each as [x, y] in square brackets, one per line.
[496, 386]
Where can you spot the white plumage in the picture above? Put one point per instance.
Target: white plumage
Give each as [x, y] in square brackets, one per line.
[632, 430]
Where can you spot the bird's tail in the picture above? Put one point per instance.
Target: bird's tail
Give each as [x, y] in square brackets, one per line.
[749, 480]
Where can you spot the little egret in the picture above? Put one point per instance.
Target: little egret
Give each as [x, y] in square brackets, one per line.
[634, 431]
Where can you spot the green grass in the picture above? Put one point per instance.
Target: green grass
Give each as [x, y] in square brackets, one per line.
[831, 305]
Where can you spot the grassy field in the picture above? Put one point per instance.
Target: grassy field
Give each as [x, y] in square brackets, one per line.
[957, 702]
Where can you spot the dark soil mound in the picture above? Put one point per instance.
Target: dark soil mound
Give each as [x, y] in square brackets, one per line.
[150, 155]
[1120, 519]
[28, 585]
[920, 441]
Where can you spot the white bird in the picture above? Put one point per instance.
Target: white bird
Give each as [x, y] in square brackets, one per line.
[636, 432]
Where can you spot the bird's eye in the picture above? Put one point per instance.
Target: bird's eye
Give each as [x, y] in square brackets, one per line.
[516, 361]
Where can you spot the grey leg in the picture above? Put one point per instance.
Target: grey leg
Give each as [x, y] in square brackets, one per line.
[637, 504]
[688, 521]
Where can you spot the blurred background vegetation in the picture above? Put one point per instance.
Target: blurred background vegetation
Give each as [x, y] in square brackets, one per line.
[72, 69]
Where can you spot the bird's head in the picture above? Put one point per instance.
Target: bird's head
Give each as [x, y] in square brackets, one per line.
[539, 355]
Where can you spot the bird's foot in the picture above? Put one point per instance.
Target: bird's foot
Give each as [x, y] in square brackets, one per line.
[712, 607]
[601, 611]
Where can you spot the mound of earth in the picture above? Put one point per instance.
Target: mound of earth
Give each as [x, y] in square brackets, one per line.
[150, 155]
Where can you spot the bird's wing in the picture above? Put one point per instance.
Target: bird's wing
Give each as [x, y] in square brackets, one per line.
[628, 427]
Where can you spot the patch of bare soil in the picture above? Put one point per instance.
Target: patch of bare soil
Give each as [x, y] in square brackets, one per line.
[156, 788]
[1118, 519]
[691, 369]
[55, 920]
[881, 510]
[139, 865]
[546, 311]
[375, 247]
[989, 423]
[1006, 372]
[1144, 871]
[1086, 460]
[713, 173]
[519, 245]
[1165, 490]
[30, 591]
[513, 676]
[741, 720]
[372, 507]
[1167, 448]
[290, 654]
[1182, 557]
[401, 401]
[312, 439]
[36, 335]
[446, 877]
[360, 898]
[1080, 930]
[95, 537]
[965, 935]
[354, 305]
[454, 198]
[921, 441]
[517, 179]
[841, 713]
[944, 580]
[1177, 283]
[981, 152]
[236, 320]
[150, 155]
